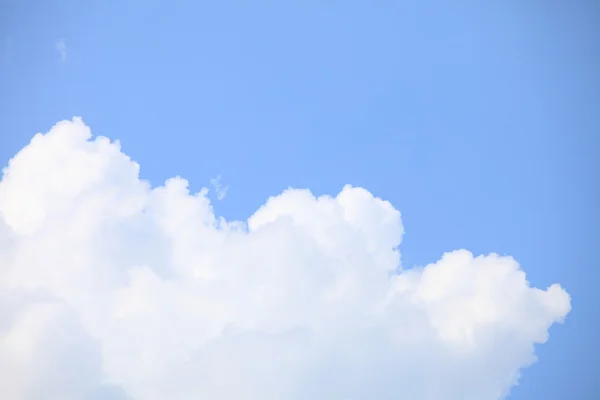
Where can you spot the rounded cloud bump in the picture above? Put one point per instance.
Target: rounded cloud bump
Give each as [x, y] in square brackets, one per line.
[112, 289]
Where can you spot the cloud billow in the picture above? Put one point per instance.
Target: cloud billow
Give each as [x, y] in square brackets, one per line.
[112, 289]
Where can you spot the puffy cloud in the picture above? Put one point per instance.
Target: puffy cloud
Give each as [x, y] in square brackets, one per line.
[112, 289]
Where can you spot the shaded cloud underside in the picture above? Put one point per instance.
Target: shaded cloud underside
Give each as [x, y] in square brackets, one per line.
[111, 289]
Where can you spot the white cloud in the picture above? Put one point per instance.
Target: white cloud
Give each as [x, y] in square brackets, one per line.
[111, 289]
[61, 47]
[220, 190]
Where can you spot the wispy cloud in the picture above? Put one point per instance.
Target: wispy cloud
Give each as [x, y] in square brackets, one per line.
[61, 47]
[220, 190]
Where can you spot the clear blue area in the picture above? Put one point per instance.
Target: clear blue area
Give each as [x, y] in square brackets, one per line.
[480, 121]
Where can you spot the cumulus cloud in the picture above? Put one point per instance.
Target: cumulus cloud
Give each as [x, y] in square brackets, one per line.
[112, 289]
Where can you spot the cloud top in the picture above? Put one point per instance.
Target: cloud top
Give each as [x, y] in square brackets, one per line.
[112, 289]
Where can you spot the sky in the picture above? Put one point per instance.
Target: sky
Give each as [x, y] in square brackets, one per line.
[397, 167]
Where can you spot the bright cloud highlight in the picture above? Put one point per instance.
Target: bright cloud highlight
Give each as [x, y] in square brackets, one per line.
[111, 289]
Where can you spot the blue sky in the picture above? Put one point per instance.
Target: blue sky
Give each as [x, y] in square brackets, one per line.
[480, 123]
